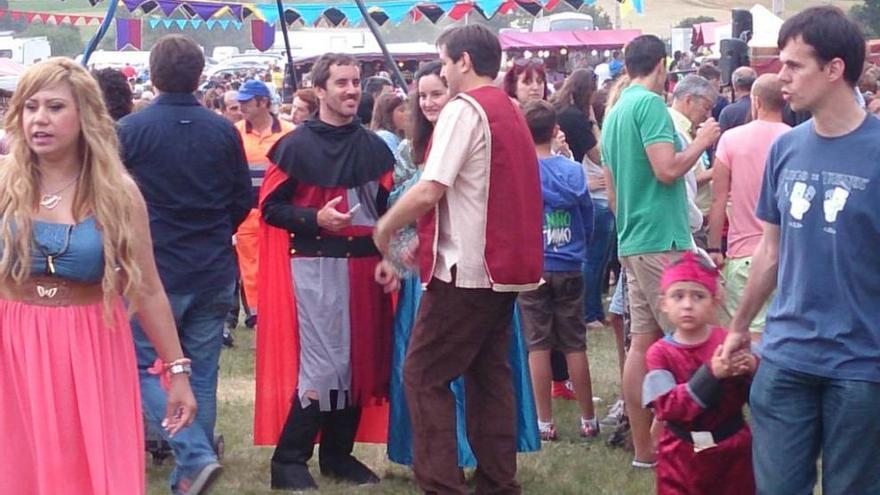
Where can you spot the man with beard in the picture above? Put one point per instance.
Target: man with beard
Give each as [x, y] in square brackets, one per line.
[325, 326]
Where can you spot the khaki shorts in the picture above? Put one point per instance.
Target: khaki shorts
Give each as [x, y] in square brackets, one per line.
[643, 273]
[553, 314]
[736, 273]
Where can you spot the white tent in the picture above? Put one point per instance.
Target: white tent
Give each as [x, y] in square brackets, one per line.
[765, 29]
[765, 26]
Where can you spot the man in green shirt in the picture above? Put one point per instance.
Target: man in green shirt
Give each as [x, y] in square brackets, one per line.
[651, 204]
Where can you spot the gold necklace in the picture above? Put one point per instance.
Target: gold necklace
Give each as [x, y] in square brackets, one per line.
[51, 200]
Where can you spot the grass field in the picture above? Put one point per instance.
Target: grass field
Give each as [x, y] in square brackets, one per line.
[569, 466]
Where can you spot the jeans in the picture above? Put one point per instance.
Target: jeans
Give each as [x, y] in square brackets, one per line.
[199, 318]
[598, 254]
[797, 416]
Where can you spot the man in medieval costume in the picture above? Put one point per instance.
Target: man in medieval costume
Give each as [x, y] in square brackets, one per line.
[325, 325]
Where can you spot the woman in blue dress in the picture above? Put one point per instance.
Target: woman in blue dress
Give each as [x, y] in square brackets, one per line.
[428, 99]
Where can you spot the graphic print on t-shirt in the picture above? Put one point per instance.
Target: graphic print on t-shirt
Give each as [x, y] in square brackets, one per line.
[837, 190]
[557, 229]
[801, 195]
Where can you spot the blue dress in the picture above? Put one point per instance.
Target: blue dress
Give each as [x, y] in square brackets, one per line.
[400, 434]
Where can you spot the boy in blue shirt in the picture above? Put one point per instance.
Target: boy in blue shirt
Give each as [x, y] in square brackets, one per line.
[552, 314]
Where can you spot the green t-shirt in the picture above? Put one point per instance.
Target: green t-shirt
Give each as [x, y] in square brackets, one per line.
[651, 216]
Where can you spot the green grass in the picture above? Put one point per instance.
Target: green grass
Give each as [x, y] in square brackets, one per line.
[568, 466]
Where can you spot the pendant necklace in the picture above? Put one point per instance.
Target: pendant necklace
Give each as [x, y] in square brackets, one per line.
[50, 201]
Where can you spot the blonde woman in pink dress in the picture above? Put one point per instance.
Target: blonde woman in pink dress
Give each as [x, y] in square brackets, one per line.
[75, 241]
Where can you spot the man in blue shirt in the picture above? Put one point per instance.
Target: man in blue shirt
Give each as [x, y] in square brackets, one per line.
[191, 168]
[740, 111]
[817, 390]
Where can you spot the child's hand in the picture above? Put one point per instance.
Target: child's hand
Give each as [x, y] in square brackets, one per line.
[744, 363]
[721, 367]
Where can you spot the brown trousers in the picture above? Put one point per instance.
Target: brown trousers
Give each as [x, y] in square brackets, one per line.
[462, 332]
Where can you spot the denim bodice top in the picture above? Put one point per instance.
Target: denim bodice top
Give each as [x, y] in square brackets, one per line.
[73, 252]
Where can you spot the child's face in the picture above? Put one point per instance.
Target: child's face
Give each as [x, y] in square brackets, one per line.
[688, 305]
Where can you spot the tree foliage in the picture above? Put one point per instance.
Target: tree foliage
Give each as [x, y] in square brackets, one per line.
[688, 22]
[65, 40]
[867, 14]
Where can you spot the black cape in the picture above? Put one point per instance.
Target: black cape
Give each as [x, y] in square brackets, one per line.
[324, 155]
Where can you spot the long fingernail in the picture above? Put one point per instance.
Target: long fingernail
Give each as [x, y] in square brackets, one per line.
[164, 423]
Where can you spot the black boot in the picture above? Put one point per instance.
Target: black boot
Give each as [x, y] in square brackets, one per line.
[295, 447]
[338, 429]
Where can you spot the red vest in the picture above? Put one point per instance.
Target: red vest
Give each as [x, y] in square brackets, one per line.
[514, 243]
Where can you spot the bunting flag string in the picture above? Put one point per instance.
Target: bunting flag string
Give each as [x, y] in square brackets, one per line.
[182, 24]
[337, 13]
[48, 18]
[128, 33]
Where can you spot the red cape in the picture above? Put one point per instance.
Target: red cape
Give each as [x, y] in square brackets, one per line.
[277, 366]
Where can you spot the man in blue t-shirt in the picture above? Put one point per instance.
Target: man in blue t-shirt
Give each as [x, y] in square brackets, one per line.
[817, 389]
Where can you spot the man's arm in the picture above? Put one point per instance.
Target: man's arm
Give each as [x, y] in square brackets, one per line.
[423, 196]
[718, 211]
[761, 283]
[609, 186]
[704, 176]
[668, 165]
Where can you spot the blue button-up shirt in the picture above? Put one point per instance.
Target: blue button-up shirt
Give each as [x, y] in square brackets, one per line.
[190, 165]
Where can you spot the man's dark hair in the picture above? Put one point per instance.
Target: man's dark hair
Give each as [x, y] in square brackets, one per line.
[831, 34]
[116, 91]
[373, 85]
[541, 118]
[642, 54]
[321, 69]
[708, 71]
[176, 64]
[479, 42]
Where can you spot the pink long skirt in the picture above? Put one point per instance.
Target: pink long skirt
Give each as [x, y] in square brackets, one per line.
[70, 408]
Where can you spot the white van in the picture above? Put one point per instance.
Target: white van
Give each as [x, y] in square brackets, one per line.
[221, 53]
[566, 21]
[25, 51]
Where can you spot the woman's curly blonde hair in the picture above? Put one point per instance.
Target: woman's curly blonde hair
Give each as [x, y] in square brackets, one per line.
[104, 185]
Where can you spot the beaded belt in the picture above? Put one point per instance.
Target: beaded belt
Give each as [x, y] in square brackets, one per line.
[52, 291]
[333, 246]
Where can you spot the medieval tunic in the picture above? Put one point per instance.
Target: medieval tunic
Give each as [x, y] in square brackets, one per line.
[325, 325]
[683, 393]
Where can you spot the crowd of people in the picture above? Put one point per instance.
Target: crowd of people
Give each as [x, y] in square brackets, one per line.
[433, 259]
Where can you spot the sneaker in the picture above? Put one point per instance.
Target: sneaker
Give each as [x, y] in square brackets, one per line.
[228, 338]
[251, 321]
[643, 464]
[620, 437]
[201, 482]
[615, 413]
[219, 447]
[589, 428]
[548, 431]
[562, 390]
